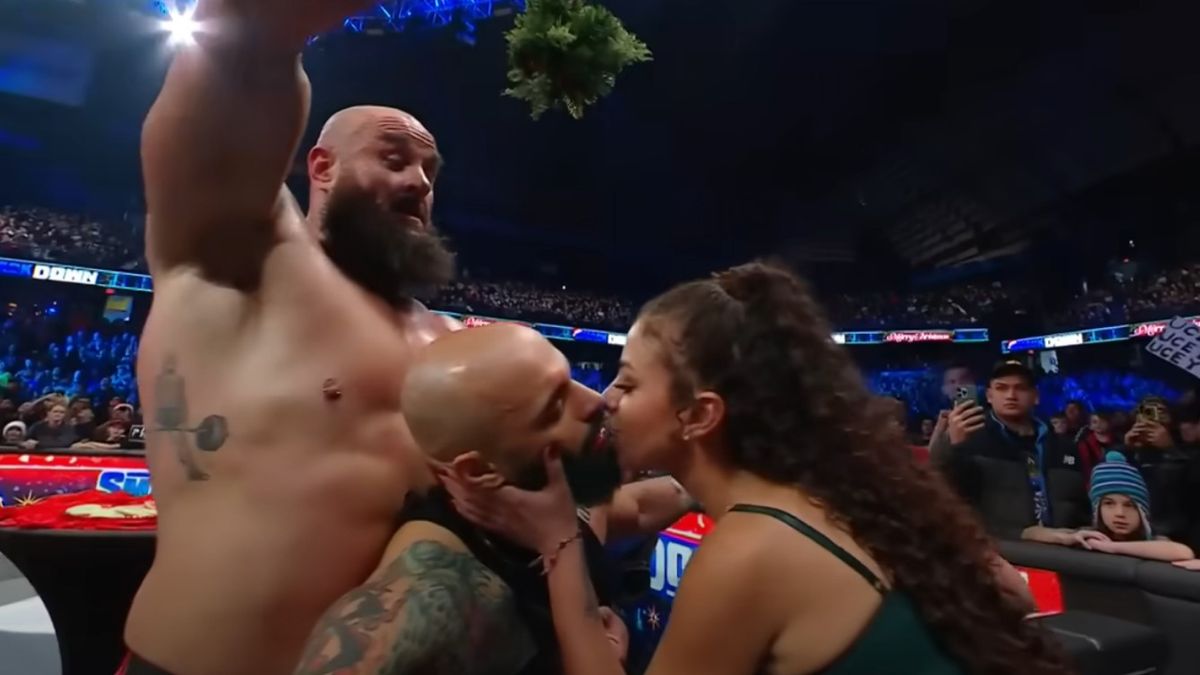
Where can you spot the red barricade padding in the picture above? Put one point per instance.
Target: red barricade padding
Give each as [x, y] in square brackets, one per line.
[51, 513]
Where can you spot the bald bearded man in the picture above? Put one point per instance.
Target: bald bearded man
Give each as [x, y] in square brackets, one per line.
[271, 362]
[447, 599]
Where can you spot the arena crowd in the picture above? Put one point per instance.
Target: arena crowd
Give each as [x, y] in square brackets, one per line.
[63, 385]
[44, 234]
[66, 384]
[1170, 292]
[1045, 476]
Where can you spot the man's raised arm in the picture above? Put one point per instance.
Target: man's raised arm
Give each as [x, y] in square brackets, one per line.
[218, 142]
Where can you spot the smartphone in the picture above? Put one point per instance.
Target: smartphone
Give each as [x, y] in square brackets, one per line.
[964, 393]
[1150, 413]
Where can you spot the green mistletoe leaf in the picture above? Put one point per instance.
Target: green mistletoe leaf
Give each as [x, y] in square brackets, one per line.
[566, 55]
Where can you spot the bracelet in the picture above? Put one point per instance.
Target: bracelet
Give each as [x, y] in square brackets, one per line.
[547, 561]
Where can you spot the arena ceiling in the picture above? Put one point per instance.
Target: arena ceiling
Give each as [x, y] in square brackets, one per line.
[790, 126]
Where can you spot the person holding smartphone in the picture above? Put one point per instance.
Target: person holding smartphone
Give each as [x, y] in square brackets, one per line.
[1151, 428]
[1151, 446]
[1009, 464]
[956, 425]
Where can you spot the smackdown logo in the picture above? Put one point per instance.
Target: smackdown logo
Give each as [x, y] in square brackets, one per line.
[670, 559]
[66, 275]
[135, 483]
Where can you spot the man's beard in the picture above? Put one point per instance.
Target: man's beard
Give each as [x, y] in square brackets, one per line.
[593, 473]
[380, 252]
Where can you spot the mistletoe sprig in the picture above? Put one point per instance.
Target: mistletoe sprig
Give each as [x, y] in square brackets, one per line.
[566, 54]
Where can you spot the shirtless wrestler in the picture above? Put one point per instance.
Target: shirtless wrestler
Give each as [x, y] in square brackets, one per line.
[445, 599]
[272, 359]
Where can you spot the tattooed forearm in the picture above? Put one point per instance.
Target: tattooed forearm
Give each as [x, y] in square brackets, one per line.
[432, 611]
[171, 414]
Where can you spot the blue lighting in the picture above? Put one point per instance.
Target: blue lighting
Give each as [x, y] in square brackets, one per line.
[395, 16]
[15, 140]
[400, 15]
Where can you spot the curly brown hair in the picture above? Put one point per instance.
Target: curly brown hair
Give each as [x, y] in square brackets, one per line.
[799, 413]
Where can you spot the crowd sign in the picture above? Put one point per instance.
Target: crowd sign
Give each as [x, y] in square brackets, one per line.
[1179, 345]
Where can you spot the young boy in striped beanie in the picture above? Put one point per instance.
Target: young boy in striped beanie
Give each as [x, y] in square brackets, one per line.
[1121, 515]
[1120, 500]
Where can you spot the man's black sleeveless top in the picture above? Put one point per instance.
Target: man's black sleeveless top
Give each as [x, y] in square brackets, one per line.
[512, 564]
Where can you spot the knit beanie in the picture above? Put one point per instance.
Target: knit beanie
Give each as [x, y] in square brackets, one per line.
[1115, 476]
[15, 425]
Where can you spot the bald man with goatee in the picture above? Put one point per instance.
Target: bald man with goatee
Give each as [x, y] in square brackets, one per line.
[272, 361]
[446, 598]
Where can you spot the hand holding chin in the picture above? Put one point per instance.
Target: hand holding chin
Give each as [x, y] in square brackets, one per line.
[538, 520]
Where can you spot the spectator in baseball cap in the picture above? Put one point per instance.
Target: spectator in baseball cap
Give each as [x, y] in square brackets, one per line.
[1023, 479]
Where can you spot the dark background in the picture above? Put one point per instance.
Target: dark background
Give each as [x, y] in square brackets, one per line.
[873, 144]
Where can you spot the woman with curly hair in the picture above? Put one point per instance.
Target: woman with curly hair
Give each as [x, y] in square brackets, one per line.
[834, 552]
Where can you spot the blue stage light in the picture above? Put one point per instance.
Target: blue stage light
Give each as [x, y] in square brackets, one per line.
[391, 16]
[397, 16]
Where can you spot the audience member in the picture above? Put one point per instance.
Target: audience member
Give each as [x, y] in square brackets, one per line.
[1121, 521]
[84, 421]
[1076, 418]
[925, 433]
[1189, 429]
[54, 432]
[958, 385]
[1152, 448]
[116, 428]
[14, 433]
[1189, 433]
[1096, 441]
[1060, 426]
[1016, 473]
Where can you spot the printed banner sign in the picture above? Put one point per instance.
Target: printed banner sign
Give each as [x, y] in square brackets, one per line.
[1179, 345]
[29, 478]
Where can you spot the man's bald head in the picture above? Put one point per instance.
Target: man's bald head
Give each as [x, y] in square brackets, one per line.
[357, 139]
[351, 125]
[461, 388]
[485, 403]
[371, 177]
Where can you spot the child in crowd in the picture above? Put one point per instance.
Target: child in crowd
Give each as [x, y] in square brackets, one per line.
[14, 433]
[1096, 441]
[1120, 518]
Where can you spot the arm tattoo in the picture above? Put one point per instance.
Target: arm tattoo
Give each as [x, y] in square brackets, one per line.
[170, 416]
[432, 611]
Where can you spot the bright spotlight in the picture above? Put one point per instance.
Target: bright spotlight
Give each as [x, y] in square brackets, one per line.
[181, 25]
